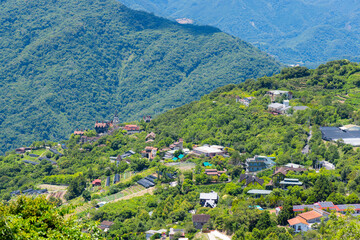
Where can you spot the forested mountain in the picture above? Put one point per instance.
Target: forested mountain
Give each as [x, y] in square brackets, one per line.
[308, 32]
[65, 64]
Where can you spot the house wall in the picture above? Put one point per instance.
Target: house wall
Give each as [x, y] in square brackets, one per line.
[301, 227]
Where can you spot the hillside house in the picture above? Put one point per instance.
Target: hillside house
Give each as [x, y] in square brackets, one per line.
[150, 233]
[280, 173]
[177, 145]
[209, 151]
[149, 152]
[290, 182]
[131, 129]
[96, 182]
[214, 172]
[248, 179]
[278, 108]
[209, 199]
[274, 94]
[173, 231]
[304, 221]
[244, 101]
[258, 163]
[257, 193]
[147, 119]
[22, 150]
[150, 137]
[199, 220]
[102, 127]
[105, 225]
[79, 132]
[85, 139]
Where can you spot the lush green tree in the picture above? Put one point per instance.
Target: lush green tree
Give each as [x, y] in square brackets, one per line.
[37, 218]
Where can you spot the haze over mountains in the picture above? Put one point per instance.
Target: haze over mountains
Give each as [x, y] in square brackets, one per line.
[308, 32]
[65, 64]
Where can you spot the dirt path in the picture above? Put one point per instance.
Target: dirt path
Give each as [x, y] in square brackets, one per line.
[216, 234]
[137, 194]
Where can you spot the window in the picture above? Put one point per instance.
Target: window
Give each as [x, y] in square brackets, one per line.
[299, 228]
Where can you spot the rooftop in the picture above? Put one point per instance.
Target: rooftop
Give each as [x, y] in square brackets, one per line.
[259, 191]
[210, 195]
[310, 215]
[207, 149]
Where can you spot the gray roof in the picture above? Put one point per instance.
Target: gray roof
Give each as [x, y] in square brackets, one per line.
[259, 191]
[209, 196]
[300, 108]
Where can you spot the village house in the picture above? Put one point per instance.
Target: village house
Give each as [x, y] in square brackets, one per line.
[85, 139]
[147, 119]
[209, 199]
[214, 172]
[102, 127]
[280, 173]
[173, 231]
[209, 151]
[244, 101]
[105, 225]
[274, 94]
[258, 163]
[278, 108]
[22, 150]
[96, 182]
[177, 145]
[149, 152]
[150, 233]
[248, 179]
[304, 221]
[257, 193]
[290, 182]
[199, 220]
[150, 137]
[131, 129]
[79, 132]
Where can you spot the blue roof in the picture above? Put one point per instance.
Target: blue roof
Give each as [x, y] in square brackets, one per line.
[181, 156]
[207, 164]
[175, 158]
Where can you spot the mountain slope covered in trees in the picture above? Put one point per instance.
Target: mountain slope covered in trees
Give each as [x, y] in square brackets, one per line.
[65, 64]
[308, 32]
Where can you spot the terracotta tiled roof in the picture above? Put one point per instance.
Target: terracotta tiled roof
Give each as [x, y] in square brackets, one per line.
[310, 215]
[132, 128]
[96, 181]
[100, 125]
[297, 220]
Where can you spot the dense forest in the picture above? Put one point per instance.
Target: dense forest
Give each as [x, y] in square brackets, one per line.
[299, 31]
[65, 64]
[332, 94]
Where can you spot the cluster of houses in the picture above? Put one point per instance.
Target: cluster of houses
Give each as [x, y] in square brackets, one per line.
[305, 220]
[281, 108]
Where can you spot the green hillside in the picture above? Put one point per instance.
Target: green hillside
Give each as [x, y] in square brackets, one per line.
[332, 94]
[65, 64]
[306, 32]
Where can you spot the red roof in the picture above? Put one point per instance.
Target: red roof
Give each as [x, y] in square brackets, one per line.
[310, 215]
[297, 220]
[96, 181]
[132, 128]
[100, 125]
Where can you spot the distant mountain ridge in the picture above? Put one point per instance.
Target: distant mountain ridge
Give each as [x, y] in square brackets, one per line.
[309, 32]
[65, 64]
